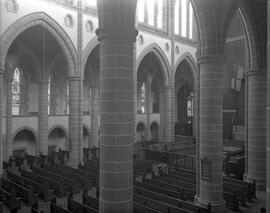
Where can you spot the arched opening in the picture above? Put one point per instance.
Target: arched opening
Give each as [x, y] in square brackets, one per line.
[141, 133]
[24, 142]
[57, 139]
[86, 138]
[184, 99]
[154, 129]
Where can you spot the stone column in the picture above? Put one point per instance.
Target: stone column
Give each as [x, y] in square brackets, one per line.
[268, 115]
[53, 97]
[148, 109]
[2, 71]
[168, 114]
[43, 118]
[257, 84]
[116, 104]
[161, 114]
[211, 128]
[94, 116]
[75, 137]
[9, 145]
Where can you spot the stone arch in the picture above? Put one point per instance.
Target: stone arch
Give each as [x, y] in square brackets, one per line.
[34, 19]
[59, 127]
[165, 65]
[154, 130]
[28, 128]
[193, 65]
[140, 134]
[88, 49]
[254, 40]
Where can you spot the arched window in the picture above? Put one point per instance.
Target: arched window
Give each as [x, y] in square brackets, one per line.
[140, 10]
[16, 88]
[184, 18]
[160, 14]
[176, 17]
[143, 98]
[91, 3]
[190, 105]
[151, 12]
[191, 15]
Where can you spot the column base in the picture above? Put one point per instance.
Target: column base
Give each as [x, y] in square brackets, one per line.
[260, 184]
[217, 207]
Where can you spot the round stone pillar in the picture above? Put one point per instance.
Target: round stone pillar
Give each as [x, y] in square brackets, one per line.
[2, 71]
[94, 116]
[74, 122]
[256, 170]
[211, 127]
[9, 145]
[268, 115]
[43, 118]
[161, 114]
[168, 114]
[117, 36]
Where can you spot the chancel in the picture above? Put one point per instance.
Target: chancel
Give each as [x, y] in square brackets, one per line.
[134, 106]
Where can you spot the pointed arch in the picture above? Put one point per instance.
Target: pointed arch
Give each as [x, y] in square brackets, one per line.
[88, 50]
[34, 19]
[28, 128]
[160, 55]
[58, 126]
[192, 63]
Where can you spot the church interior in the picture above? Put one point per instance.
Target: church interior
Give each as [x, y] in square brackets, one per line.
[144, 106]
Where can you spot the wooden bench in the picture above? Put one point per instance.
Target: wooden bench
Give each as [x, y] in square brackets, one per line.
[57, 209]
[77, 207]
[169, 200]
[43, 190]
[138, 208]
[83, 180]
[90, 201]
[27, 194]
[158, 205]
[58, 186]
[9, 198]
[71, 185]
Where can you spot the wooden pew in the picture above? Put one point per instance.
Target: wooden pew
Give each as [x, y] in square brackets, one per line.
[169, 200]
[87, 176]
[158, 205]
[58, 186]
[9, 198]
[57, 209]
[85, 182]
[90, 201]
[71, 185]
[27, 194]
[77, 207]
[43, 190]
[138, 208]
[1, 206]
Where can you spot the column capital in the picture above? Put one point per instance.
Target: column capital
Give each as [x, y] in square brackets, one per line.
[74, 78]
[211, 59]
[258, 72]
[118, 34]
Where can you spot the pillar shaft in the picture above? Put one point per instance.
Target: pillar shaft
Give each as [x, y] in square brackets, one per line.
[168, 114]
[257, 127]
[161, 114]
[53, 96]
[116, 104]
[9, 145]
[211, 143]
[94, 116]
[75, 136]
[2, 71]
[268, 115]
[43, 118]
